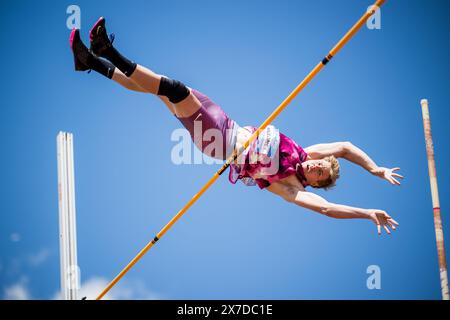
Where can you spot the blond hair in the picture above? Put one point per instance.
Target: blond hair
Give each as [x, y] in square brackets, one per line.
[334, 174]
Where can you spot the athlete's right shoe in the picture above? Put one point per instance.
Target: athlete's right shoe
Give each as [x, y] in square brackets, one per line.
[100, 42]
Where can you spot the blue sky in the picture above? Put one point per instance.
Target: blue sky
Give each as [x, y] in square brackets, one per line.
[236, 242]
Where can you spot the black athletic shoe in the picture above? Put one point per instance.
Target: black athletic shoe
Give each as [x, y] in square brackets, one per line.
[81, 53]
[100, 42]
[86, 60]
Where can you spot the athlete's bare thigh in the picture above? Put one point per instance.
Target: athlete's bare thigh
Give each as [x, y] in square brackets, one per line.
[185, 108]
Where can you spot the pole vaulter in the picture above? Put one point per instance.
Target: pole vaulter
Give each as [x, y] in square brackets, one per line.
[131, 76]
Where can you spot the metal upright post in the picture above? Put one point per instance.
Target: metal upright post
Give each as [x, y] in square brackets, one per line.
[435, 199]
[67, 217]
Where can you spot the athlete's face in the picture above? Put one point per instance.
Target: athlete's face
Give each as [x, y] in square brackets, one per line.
[316, 170]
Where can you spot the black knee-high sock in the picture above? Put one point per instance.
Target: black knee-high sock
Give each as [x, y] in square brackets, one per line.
[122, 63]
[102, 66]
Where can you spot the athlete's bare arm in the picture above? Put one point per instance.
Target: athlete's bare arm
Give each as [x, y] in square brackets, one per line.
[352, 153]
[322, 150]
[291, 190]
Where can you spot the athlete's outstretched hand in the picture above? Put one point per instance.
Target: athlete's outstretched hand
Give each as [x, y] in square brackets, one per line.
[382, 219]
[388, 174]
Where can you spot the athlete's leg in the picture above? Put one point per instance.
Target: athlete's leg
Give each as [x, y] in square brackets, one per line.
[126, 82]
[150, 80]
[173, 92]
[183, 101]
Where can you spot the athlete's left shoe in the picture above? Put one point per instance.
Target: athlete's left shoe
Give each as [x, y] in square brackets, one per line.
[81, 54]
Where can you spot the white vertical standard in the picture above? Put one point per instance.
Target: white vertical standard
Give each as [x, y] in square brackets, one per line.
[70, 275]
[439, 230]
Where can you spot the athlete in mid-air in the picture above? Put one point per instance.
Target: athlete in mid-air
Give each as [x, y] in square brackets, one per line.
[274, 161]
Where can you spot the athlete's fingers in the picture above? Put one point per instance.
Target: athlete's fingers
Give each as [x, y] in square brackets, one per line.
[391, 225]
[393, 221]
